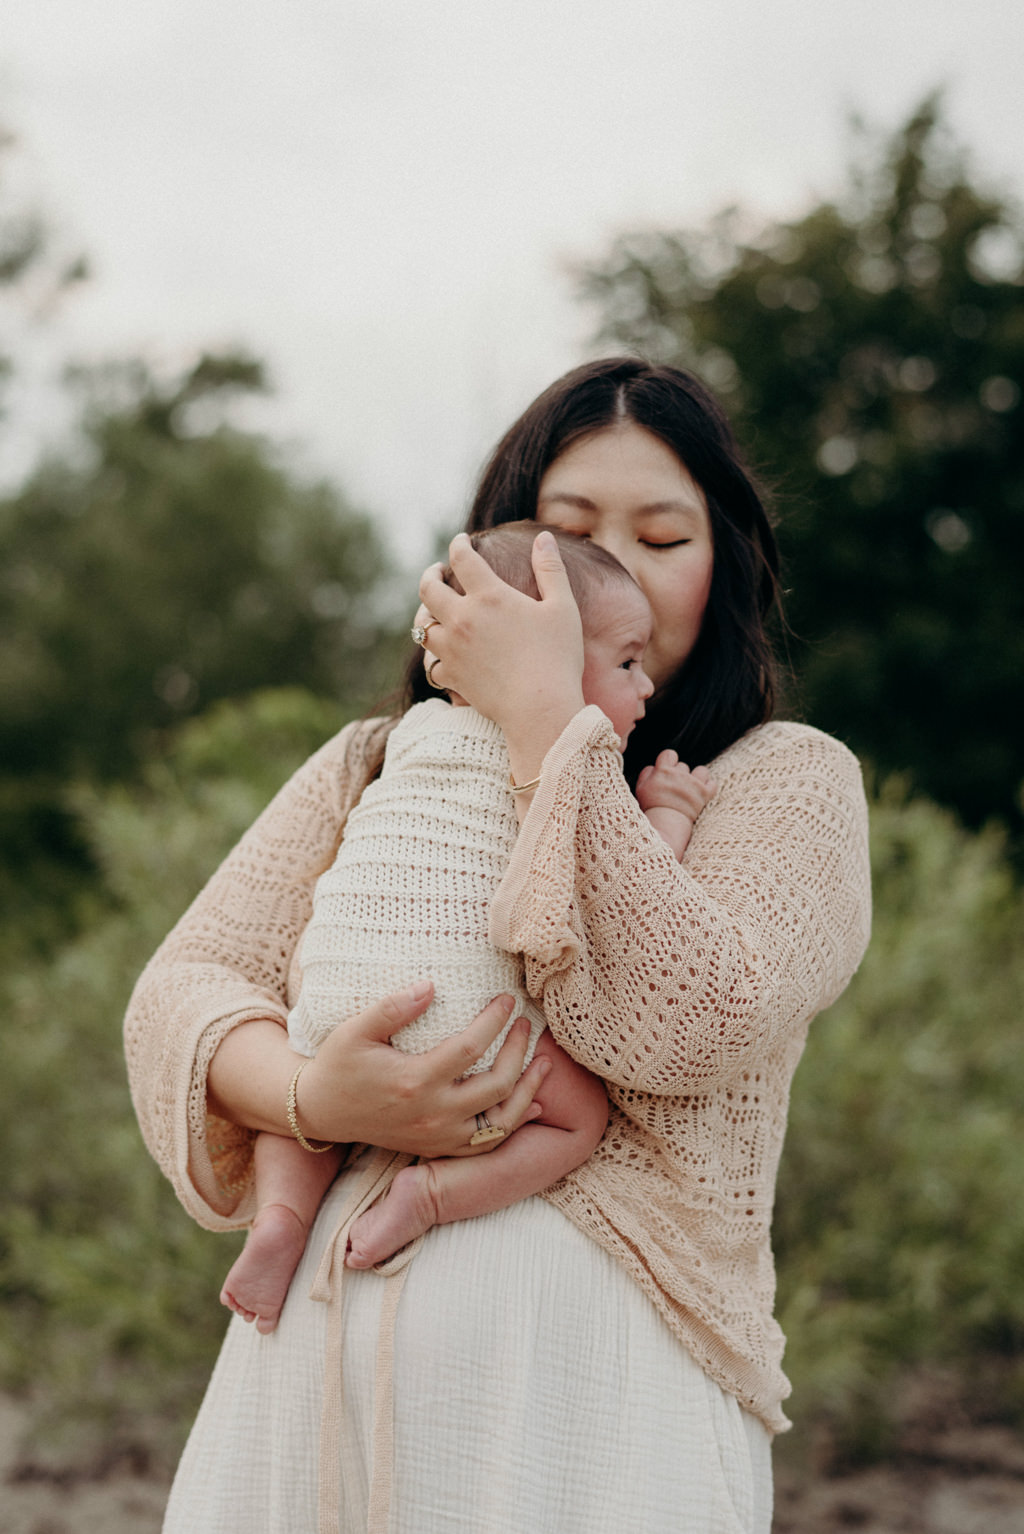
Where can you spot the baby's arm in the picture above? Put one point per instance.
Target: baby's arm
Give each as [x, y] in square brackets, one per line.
[574, 1117]
[671, 796]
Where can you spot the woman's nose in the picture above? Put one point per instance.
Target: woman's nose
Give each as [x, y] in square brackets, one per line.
[611, 540]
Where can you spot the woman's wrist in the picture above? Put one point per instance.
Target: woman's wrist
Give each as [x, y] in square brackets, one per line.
[249, 1077]
[292, 1115]
[530, 738]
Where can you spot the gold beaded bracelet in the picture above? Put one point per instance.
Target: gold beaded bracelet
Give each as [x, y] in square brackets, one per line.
[522, 788]
[293, 1118]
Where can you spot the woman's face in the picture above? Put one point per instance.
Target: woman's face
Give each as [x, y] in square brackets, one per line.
[628, 491]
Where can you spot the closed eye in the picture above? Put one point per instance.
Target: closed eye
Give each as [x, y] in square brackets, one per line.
[675, 544]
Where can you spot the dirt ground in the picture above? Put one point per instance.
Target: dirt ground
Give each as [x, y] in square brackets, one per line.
[968, 1480]
[109, 1499]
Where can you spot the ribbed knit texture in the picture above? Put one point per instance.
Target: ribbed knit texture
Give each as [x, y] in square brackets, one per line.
[409, 894]
[688, 987]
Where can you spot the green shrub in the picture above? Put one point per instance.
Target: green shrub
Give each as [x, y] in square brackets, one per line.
[899, 1223]
[109, 1292]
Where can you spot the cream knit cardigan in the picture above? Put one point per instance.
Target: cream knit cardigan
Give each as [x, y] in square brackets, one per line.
[687, 987]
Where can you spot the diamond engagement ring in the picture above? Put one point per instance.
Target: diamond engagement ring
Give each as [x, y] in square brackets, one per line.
[419, 632]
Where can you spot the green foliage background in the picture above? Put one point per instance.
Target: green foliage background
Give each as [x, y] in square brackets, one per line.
[109, 1291]
[176, 603]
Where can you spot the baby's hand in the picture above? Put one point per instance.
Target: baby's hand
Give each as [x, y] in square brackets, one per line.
[670, 785]
[671, 796]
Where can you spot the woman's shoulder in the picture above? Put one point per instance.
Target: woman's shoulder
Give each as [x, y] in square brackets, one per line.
[796, 751]
[337, 772]
[356, 744]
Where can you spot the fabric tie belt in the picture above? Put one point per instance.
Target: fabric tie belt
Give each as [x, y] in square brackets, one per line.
[337, 1454]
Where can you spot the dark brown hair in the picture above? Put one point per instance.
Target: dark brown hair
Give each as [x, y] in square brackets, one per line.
[728, 683]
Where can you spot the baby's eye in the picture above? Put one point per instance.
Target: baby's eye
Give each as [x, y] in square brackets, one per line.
[628, 664]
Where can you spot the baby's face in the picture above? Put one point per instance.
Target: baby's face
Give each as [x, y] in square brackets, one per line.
[618, 633]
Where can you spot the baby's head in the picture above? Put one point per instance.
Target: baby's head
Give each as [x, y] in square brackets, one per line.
[615, 613]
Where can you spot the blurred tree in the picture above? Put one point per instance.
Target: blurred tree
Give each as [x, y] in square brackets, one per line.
[165, 561]
[871, 355]
[174, 562]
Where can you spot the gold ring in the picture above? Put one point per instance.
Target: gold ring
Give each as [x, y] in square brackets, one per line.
[485, 1131]
[430, 674]
[419, 631]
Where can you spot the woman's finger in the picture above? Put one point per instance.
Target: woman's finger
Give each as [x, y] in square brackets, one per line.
[552, 581]
[518, 1108]
[424, 619]
[437, 596]
[509, 1114]
[473, 571]
[452, 1058]
[384, 1017]
[484, 1088]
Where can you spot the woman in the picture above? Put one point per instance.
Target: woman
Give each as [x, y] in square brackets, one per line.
[604, 1357]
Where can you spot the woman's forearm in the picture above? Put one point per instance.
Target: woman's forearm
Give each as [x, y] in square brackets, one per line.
[249, 1076]
[358, 1089]
[665, 977]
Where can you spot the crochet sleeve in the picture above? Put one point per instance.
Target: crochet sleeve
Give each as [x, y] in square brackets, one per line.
[667, 977]
[226, 963]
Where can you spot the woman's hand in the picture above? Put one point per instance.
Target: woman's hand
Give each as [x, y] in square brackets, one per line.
[358, 1088]
[516, 660]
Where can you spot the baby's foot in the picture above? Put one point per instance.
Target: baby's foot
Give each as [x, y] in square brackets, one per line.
[405, 1212]
[257, 1284]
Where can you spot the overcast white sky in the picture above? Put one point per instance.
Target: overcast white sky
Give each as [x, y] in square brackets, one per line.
[380, 196]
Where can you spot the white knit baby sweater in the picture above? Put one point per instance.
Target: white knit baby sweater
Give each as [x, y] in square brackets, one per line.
[409, 893]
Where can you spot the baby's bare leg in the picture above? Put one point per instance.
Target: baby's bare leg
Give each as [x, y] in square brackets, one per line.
[459, 1188]
[290, 1183]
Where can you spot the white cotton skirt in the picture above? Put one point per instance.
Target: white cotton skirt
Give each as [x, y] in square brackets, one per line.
[535, 1388]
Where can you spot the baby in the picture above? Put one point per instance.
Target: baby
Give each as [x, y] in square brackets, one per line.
[409, 893]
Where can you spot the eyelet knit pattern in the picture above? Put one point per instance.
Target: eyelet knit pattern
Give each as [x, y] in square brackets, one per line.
[688, 988]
